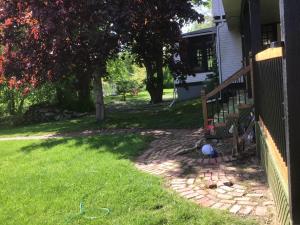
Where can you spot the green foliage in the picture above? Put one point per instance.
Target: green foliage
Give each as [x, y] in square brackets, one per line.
[12, 98]
[208, 19]
[109, 89]
[128, 78]
[168, 78]
[213, 81]
[68, 97]
[45, 93]
[134, 113]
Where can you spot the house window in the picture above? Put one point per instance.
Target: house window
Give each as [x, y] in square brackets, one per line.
[269, 34]
[200, 58]
[201, 53]
[210, 58]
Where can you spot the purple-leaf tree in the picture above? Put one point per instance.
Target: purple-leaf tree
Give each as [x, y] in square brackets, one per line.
[151, 29]
[49, 40]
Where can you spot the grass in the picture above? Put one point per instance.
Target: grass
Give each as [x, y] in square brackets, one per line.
[44, 182]
[142, 98]
[123, 115]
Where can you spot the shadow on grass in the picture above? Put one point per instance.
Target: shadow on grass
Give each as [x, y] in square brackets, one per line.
[182, 115]
[124, 147]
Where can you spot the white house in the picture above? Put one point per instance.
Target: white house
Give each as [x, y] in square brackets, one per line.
[226, 43]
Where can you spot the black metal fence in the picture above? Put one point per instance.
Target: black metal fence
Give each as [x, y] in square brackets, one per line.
[269, 99]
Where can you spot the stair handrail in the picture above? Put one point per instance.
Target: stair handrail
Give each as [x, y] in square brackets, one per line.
[243, 71]
[237, 75]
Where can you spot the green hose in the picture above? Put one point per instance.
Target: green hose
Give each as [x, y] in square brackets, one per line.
[82, 212]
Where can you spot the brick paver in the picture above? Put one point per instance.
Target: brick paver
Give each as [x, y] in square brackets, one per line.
[220, 184]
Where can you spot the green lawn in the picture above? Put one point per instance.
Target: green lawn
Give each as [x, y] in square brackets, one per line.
[142, 98]
[119, 114]
[45, 182]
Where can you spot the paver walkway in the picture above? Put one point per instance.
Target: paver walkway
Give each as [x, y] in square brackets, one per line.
[219, 183]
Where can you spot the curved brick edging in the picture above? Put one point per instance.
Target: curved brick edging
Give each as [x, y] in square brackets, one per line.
[191, 177]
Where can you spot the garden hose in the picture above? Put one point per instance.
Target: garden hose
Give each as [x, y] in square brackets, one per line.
[82, 212]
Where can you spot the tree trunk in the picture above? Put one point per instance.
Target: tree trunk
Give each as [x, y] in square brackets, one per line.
[155, 81]
[156, 93]
[84, 93]
[11, 103]
[99, 98]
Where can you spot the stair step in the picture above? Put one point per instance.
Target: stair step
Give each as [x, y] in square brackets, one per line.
[245, 106]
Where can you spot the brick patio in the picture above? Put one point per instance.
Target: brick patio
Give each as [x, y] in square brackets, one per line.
[218, 183]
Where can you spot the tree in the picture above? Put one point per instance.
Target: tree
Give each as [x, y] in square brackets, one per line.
[51, 40]
[153, 27]
[124, 74]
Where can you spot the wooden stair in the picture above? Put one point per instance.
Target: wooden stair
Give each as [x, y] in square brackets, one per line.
[230, 103]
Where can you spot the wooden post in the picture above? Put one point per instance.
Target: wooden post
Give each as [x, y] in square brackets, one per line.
[251, 61]
[290, 20]
[255, 26]
[204, 108]
[255, 33]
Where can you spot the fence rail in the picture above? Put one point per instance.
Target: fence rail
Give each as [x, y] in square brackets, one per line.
[269, 95]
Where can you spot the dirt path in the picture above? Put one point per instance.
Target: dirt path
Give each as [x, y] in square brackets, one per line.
[87, 133]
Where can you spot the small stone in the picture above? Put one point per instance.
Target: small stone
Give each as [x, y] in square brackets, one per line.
[247, 210]
[226, 188]
[212, 197]
[185, 193]
[208, 174]
[228, 201]
[221, 191]
[201, 192]
[268, 203]
[225, 206]
[217, 205]
[199, 197]
[261, 211]
[192, 195]
[228, 184]
[242, 199]
[255, 195]
[178, 181]
[206, 202]
[190, 181]
[235, 209]
[214, 178]
[236, 194]
[240, 190]
[239, 186]
[205, 161]
[224, 196]
[212, 186]
[247, 203]
[212, 161]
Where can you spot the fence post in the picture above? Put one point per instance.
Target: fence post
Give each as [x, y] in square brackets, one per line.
[252, 75]
[204, 108]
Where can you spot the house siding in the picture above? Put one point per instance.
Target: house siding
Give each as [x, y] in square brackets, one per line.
[229, 43]
[217, 8]
[190, 92]
[229, 48]
[195, 84]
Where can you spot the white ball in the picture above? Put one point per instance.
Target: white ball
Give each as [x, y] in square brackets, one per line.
[207, 149]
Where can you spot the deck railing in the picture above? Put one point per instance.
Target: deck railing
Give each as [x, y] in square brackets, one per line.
[220, 102]
[269, 95]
